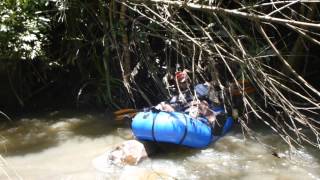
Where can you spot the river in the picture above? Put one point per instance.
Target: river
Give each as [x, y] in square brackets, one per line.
[73, 145]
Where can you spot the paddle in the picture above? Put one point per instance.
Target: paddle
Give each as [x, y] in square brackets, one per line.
[130, 113]
[248, 88]
[124, 113]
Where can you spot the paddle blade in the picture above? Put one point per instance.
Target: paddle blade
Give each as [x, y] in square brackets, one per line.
[248, 88]
[123, 114]
[124, 111]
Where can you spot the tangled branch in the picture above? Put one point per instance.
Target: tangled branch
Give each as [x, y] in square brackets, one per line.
[225, 44]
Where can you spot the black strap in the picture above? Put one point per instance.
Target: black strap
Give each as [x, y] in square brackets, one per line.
[218, 126]
[153, 122]
[185, 130]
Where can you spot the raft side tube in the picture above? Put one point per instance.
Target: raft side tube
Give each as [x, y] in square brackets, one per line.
[171, 127]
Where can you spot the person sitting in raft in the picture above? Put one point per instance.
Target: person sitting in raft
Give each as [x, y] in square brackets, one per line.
[184, 95]
[184, 102]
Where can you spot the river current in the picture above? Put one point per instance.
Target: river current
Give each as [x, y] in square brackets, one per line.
[73, 145]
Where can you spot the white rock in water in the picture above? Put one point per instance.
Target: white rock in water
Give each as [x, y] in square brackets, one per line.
[130, 152]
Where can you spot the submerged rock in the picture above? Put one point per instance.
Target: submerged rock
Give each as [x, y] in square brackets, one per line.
[130, 152]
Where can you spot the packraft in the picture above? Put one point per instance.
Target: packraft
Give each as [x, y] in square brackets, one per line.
[179, 128]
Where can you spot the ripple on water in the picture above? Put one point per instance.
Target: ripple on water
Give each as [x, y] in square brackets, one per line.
[49, 146]
[231, 157]
[241, 160]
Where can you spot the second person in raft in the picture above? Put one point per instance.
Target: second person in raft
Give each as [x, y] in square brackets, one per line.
[184, 101]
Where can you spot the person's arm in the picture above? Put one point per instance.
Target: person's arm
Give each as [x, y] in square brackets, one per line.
[205, 111]
[163, 106]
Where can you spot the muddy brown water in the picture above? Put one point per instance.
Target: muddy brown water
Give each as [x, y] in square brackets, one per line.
[73, 145]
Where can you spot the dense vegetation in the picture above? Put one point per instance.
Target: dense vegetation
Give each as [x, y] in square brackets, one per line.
[114, 54]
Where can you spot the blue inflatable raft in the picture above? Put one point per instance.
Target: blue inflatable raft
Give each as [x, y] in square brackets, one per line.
[178, 128]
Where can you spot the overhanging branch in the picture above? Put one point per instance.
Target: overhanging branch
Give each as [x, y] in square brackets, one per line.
[231, 12]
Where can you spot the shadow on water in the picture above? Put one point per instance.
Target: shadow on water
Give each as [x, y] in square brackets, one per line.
[169, 151]
[39, 132]
[26, 136]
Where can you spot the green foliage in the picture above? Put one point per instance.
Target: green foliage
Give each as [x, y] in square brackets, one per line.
[87, 36]
[22, 29]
